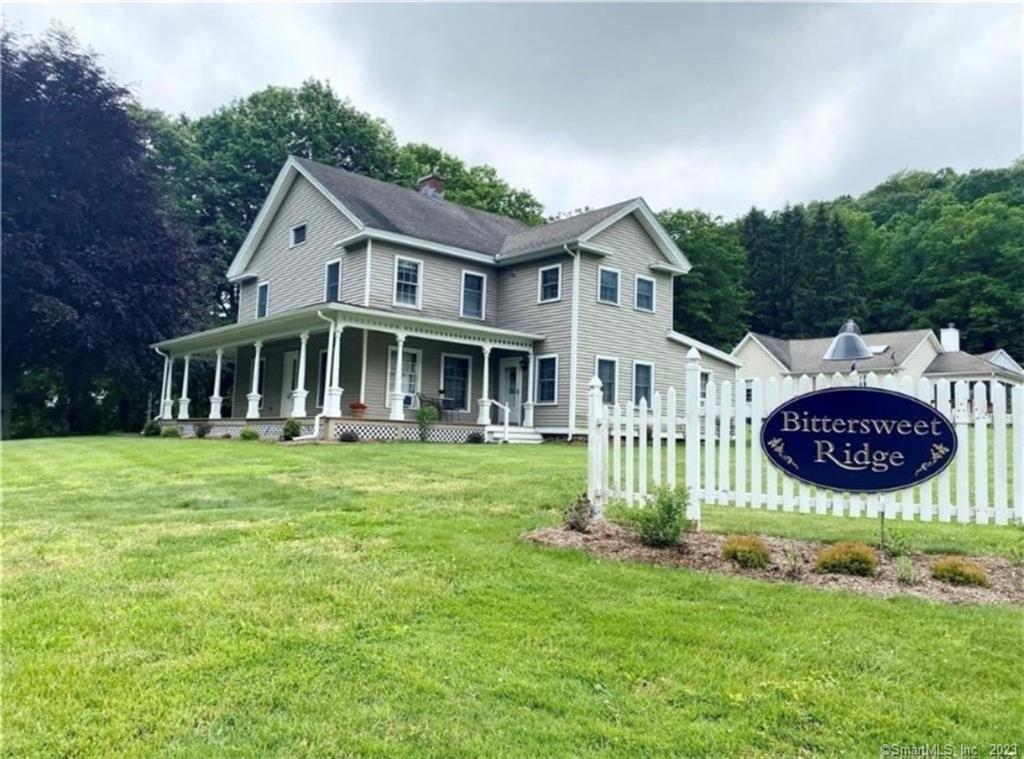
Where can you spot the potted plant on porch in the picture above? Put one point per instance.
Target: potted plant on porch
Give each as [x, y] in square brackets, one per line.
[358, 408]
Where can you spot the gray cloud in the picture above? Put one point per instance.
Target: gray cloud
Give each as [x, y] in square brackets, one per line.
[717, 106]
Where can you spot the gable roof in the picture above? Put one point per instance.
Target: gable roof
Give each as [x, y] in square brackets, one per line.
[379, 208]
[1002, 359]
[805, 356]
[963, 363]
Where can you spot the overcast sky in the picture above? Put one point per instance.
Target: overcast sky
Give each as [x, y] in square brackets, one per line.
[711, 106]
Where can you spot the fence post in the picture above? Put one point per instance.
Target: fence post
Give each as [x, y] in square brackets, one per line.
[693, 432]
[1002, 475]
[756, 406]
[595, 476]
[1017, 404]
[960, 413]
[742, 410]
[670, 442]
[980, 453]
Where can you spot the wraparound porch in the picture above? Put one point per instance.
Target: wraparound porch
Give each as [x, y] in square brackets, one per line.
[325, 361]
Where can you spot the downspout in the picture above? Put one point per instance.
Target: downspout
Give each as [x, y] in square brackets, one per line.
[319, 417]
[574, 337]
[163, 387]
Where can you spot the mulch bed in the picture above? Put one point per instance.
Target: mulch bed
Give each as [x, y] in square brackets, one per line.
[702, 551]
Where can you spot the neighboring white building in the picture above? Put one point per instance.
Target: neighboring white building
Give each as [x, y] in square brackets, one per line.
[913, 353]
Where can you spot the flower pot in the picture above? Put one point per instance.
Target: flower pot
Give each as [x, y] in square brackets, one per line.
[358, 412]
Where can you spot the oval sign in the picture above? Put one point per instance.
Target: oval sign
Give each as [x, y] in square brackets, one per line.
[858, 439]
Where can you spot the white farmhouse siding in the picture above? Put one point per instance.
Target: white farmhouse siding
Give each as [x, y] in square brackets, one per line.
[353, 274]
[296, 274]
[920, 358]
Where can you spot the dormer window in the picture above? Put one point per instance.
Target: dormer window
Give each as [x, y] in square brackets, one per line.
[298, 235]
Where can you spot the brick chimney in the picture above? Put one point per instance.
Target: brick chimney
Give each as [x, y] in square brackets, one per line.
[431, 185]
[949, 336]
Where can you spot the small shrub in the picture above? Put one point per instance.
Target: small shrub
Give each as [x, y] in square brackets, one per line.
[475, 438]
[661, 522]
[349, 436]
[847, 559]
[896, 544]
[793, 562]
[249, 433]
[749, 551]
[426, 415]
[906, 573]
[170, 432]
[958, 571]
[201, 429]
[578, 513]
[291, 429]
[226, 436]
[152, 428]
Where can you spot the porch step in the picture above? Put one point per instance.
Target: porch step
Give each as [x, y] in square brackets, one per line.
[495, 433]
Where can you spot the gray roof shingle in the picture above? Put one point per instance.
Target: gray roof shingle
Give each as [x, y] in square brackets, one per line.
[805, 356]
[960, 362]
[557, 233]
[391, 208]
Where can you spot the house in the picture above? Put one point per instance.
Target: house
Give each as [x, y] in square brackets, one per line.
[911, 353]
[355, 290]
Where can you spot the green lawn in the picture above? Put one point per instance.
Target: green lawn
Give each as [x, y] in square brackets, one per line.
[188, 598]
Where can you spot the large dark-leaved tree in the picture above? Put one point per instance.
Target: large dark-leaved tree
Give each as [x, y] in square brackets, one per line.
[95, 264]
[711, 303]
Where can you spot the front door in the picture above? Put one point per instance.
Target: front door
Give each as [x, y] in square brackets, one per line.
[510, 382]
[289, 378]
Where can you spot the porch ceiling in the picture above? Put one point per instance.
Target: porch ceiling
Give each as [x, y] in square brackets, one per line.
[291, 323]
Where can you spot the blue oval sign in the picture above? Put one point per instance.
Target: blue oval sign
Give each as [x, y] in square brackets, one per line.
[858, 439]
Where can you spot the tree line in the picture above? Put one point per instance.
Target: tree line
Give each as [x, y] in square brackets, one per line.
[119, 222]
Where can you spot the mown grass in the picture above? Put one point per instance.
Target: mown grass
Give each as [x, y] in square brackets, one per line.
[189, 598]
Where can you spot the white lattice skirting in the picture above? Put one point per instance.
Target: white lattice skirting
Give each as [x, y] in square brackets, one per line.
[267, 430]
[404, 431]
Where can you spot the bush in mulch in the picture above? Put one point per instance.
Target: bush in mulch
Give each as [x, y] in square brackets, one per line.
[577, 515]
[749, 551]
[291, 429]
[850, 558]
[958, 571]
[661, 522]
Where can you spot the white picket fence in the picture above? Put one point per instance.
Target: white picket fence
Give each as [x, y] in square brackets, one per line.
[631, 450]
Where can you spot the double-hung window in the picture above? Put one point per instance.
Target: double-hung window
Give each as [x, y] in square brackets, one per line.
[332, 282]
[608, 285]
[411, 374]
[607, 369]
[408, 287]
[473, 287]
[455, 389]
[643, 298]
[643, 382]
[262, 299]
[547, 380]
[549, 283]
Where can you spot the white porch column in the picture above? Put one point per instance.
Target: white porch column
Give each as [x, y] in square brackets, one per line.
[362, 367]
[484, 415]
[166, 402]
[253, 412]
[528, 405]
[332, 404]
[184, 400]
[300, 393]
[397, 393]
[216, 399]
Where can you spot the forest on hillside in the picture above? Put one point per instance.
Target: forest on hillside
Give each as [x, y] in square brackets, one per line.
[119, 222]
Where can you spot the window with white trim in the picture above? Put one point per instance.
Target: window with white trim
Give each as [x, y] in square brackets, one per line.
[643, 297]
[606, 370]
[549, 283]
[547, 380]
[473, 286]
[411, 373]
[332, 282]
[643, 382]
[608, 285]
[455, 371]
[262, 299]
[298, 235]
[408, 272]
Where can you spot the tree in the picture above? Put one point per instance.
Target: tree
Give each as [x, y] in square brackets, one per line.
[96, 265]
[711, 303]
[474, 186]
